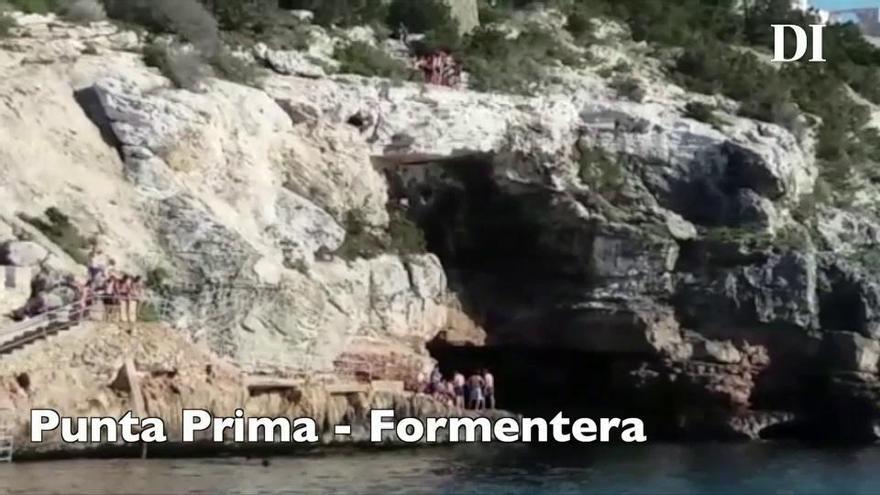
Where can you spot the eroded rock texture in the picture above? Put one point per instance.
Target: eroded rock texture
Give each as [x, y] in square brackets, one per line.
[601, 253]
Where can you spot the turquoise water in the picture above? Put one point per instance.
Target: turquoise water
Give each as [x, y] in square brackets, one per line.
[655, 469]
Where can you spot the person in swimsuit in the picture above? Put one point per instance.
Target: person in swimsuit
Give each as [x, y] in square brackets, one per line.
[450, 394]
[489, 388]
[96, 267]
[83, 291]
[436, 379]
[108, 294]
[476, 399]
[135, 296]
[458, 389]
[123, 293]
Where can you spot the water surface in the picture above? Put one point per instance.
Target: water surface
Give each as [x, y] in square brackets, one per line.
[475, 469]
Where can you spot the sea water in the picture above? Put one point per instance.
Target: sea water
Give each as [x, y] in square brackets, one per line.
[654, 469]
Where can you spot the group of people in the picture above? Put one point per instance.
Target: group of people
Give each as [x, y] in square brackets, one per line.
[119, 293]
[477, 391]
[440, 68]
[437, 66]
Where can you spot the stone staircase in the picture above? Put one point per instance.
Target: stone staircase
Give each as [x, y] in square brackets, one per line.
[39, 327]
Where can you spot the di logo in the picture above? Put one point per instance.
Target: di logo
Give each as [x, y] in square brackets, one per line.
[803, 42]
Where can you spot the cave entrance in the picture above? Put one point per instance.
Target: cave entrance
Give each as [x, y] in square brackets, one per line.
[542, 382]
[493, 243]
[516, 267]
[842, 309]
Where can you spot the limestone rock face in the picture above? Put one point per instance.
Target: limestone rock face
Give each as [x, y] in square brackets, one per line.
[241, 205]
[781, 290]
[173, 374]
[850, 294]
[572, 221]
[466, 13]
[691, 168]
[22, 253]
[851, 352]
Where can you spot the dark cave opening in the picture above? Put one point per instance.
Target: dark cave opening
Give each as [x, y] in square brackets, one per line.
[842, 309]
[513, 275]
[493, 244]
[544, 381]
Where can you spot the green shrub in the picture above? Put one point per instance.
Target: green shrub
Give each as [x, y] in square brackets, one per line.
[579, 14]
[578, 24]
[148, 313]
[628, 87]
[404, 236]
[228, 66]
[360, 241]
[792, 238]
[82, 11]
[401, 237]
[6, 24]
[493, 13]
[703, 113]
[244, 15]
[366, 60]
[58, 229]
[157, 279]
[34, 6]
[183, 67]
[343, 13]
[519, 65]
[421, 16]
[600, 171]
[808, 206]
[868, 258]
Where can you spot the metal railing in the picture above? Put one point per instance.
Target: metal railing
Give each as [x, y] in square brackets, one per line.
[182, 311]
[7, 440]
[43, 322]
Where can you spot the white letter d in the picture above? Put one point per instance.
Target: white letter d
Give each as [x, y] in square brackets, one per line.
[801, 39]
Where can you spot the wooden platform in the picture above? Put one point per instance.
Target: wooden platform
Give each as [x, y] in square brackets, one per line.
[263, 383]
[387, 386]
[259, 383]
[342, 388]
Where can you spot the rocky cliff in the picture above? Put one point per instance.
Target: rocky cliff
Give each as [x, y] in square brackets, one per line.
[609, 250]
[85, 380]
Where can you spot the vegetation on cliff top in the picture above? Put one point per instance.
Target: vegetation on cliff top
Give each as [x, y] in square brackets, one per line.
[58, 228]
[717, 43]
[362, 240]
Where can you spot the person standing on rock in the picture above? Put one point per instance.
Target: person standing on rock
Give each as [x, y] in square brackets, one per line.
[123, 293]
[449, 396]
[135, 296]
[489, 388]
[109, 295]
[476, 399]
[96, 268]
[83, 291]
[458, 384]
[436, 379]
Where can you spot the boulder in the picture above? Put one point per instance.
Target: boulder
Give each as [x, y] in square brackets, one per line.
[290, 62]
[6, 232]
[22, 253]
[773, 289]
[721, 352]
[849, 351]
